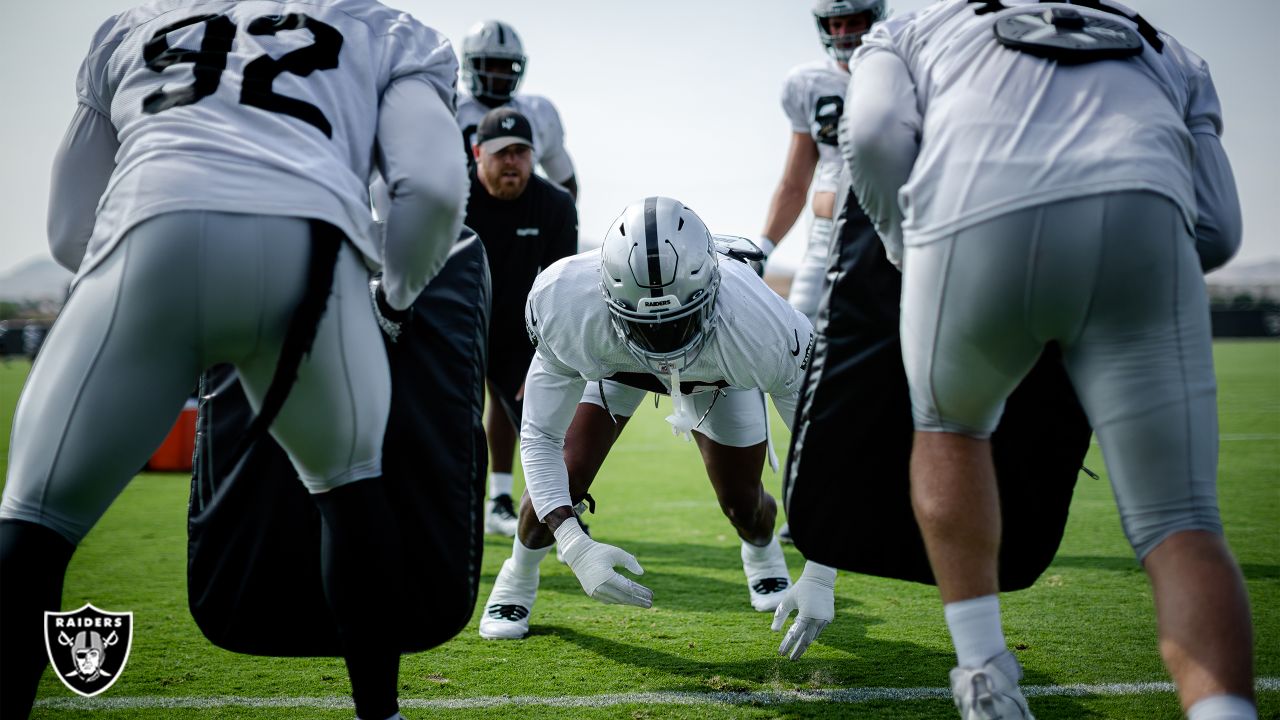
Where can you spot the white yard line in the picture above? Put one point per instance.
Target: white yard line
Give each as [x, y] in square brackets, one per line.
[766, 697]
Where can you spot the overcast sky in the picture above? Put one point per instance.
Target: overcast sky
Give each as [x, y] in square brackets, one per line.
[666, 97]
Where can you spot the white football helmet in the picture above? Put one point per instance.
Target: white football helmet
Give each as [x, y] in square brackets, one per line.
[841, 47]
[493, 62]
[659, 274]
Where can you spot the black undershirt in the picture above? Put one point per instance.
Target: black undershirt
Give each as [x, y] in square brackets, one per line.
[521, 237]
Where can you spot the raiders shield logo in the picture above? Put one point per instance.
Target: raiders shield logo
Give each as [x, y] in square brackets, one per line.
[88, 647]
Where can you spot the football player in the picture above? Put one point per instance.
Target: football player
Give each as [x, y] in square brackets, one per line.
[1052, 173]
[657, 308]
[226, 148]
[813, 99]
[493, 64]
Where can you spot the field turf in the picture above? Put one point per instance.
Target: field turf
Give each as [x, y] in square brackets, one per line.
[1085, 631]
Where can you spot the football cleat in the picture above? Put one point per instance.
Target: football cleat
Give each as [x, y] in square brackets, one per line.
[767, 575]
[501, 518]
[986, 693]
[506, 612]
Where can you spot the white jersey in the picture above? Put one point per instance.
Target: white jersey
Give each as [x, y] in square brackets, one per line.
[548, 133]
[759, 342]
[1002, 130]
[283, 96]
[813, 98]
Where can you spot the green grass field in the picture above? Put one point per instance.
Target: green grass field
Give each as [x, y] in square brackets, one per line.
[701, 652]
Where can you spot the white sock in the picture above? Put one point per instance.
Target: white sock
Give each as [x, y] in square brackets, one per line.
[758, 553]
[1223, 707]
[526, 560]
[500, 484]
[975, 630]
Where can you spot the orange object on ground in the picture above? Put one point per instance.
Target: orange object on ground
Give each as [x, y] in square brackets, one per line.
[174, 454]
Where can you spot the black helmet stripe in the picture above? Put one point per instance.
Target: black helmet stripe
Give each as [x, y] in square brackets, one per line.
[651, 246]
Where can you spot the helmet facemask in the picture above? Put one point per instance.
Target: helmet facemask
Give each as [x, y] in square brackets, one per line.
[494, 79]
[841, 47]
[662, 334]
[493, 62]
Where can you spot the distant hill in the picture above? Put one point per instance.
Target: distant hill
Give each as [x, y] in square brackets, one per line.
[1257, 272]
[39, 279]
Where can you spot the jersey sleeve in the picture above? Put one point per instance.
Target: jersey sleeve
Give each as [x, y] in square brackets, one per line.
[784, 386]
[565, 240]
[551, 394]
[423, 54]
[880, 136]
[82, 168]
[554, 158]
[426, 180]
[1219, 225]
[1204, 109]
[793, 102]
[94, 86]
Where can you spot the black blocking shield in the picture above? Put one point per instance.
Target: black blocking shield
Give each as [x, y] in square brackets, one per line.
[846, 486]
[253, 553]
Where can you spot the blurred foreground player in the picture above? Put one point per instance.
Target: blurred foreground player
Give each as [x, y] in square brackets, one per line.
[231, 145]
[1046, 173]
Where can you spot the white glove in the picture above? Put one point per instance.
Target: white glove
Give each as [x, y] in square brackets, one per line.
[814, 595]
[593, 563]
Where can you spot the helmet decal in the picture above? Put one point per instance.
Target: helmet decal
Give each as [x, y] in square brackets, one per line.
[651, 239]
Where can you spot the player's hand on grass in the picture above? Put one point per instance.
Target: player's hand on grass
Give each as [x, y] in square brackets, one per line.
[814, 597]
[593, 562]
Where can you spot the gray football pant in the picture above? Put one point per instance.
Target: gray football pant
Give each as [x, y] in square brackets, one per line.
[1115, 281]
[181, 292]
[737, 418]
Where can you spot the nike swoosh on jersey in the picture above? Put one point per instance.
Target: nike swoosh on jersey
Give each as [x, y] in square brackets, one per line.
[796, 352]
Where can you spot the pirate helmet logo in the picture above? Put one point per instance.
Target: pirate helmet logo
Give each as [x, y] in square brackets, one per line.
[88, 647]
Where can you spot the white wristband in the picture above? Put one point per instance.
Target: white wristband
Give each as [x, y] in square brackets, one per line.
[766, 245]
[569, 533]
[820, 573]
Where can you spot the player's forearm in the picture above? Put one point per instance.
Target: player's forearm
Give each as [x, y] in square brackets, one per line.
[879, 138]
[426, 176]
[1219, 226]
[550, 400]
[546, 477]
[784, 209]
[81, 171]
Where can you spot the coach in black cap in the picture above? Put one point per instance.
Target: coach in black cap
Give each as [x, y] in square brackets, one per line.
[526, 223]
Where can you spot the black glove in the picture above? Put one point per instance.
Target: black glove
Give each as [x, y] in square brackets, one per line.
[392, 321]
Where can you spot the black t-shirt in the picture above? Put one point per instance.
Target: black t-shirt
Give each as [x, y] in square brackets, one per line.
[522, 237]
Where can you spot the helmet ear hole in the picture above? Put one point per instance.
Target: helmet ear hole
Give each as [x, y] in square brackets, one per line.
[622, 228]
[680, 225]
